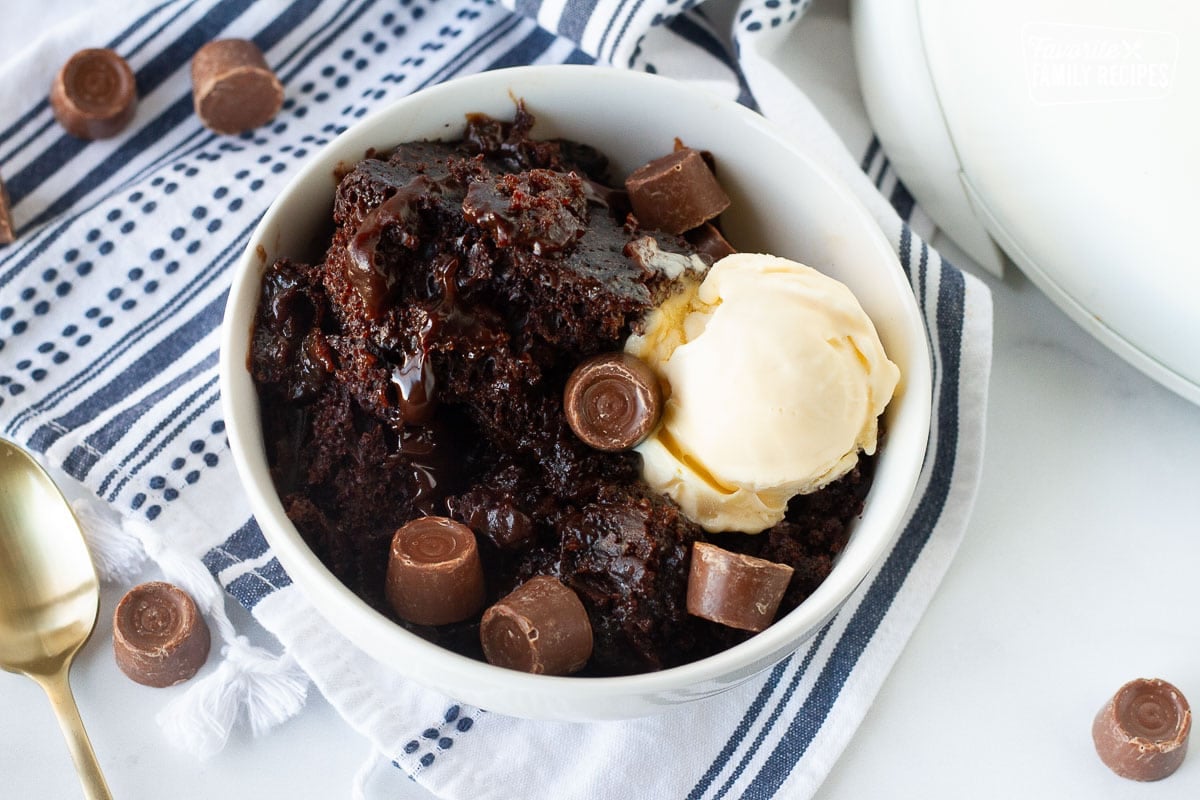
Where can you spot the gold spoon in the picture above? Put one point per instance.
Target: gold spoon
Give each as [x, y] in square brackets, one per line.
[49, 596]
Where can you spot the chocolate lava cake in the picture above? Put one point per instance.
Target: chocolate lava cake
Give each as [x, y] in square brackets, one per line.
[419, 370]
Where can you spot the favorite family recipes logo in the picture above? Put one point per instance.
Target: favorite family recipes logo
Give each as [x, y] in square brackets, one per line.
[1091, 64]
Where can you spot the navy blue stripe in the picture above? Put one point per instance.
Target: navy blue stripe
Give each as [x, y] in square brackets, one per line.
[132, 29]
[106, 438]
[869, 158]
[50, 121]
[329, 34]
[902, 201]
[776, 712]
[44, 243]
[905, 252]
[481, 44]
[98, 363]
[608, 29]
[24, 120]
[264, 38]
[694, 27]
[119, 347]
[284, 24]
[745, 97]
[83, 457]
[245, 543]
[113, 44]
[72, 463]
[575, 17]
[686, 26]
[624, 29]
[882, 592]
[33, 248]
[528, 8]
[919, 280]
[527, 51]
[158, 31]
[883, 171]
[156, 71]
[751, 716]
[578, 56]
[59, 153]
[149, 77]
[922, 275]
[165, 351]
[250, 588]
[165, 313]
[274, 573]
[740, 731]
[195, 414]
[46, 125]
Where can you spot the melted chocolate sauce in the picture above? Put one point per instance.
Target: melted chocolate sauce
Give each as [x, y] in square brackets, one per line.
[370, 275]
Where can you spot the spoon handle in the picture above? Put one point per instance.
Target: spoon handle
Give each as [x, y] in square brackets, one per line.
[63, 701]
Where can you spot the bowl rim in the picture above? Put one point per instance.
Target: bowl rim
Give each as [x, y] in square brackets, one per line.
[329, 596]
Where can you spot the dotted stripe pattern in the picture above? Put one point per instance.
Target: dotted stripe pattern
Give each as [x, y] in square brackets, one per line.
[109, 312]
[422, 751]
[148, 255]
[764, 15]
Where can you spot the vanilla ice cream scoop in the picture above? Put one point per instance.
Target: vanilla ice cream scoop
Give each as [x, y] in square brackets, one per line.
[774, 378]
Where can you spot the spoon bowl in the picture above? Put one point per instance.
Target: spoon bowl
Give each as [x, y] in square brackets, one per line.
[49, 595]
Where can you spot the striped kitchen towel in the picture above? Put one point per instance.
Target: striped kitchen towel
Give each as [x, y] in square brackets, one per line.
[112, 296]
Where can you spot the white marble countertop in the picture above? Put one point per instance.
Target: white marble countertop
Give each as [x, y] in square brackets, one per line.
[1077, 573]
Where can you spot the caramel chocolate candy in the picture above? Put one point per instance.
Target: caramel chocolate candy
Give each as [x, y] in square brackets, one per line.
[159, 637]
[709, 241]
[94, 95]
[612, 401]
[434, 575]
[233, 88]
[7, 235]
[1142, 732]
[675, 193]
[540, 627]
[734, 589]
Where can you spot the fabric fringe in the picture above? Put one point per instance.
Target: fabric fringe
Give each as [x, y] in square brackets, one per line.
[250, 682]
[117, 554]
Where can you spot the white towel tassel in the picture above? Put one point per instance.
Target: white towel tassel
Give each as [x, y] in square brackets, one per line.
[117, 554]
[270, 689]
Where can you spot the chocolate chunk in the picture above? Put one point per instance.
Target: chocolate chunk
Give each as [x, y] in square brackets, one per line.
[434, 576]
[159, 637]
[494, 516]
[233, 88]
[94, 95]
[734, 589]
[540, 627]
[709, 241]
[1142, 732]
[7, 234]
[612, 401]
[675, 193]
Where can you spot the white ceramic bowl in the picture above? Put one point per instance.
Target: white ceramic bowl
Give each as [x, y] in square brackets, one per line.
[783, 202]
